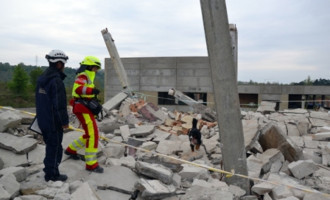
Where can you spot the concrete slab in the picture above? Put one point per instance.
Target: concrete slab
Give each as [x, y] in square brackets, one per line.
[19, 145]
[302, 168]
[111, 176]
[9, 119]
[115, 101]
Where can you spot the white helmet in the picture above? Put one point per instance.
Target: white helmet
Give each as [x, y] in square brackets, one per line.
[56, 55]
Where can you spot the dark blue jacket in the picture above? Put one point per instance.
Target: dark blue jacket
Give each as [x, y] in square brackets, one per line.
[51, 103]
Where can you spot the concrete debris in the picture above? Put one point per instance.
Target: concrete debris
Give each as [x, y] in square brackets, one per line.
[9, 119]
[302, 168]
[19, 145]
[155, 171]
[266, 107]
[284, 148]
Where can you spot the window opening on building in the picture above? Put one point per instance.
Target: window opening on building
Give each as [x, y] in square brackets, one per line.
[165, 99]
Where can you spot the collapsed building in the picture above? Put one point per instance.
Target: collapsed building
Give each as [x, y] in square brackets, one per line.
[145, 152]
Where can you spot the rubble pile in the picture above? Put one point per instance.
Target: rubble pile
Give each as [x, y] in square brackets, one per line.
[288, 156]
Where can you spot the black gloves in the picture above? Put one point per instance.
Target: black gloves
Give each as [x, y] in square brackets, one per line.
[95, 91]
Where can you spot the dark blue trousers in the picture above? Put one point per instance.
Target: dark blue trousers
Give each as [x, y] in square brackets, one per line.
[54, 152]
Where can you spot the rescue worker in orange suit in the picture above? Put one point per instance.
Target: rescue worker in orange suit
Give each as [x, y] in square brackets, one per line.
[83, 87]
[195, 136]
[52, 114]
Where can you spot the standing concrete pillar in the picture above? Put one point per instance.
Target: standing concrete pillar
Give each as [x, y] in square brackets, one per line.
[323, 101]
[225, 90]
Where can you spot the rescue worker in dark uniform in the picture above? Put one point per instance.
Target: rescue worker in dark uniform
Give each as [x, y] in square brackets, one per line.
[84, 88]
[195, 136]
[52, 115]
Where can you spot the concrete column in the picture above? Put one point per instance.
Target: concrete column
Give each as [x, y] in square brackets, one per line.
[284, 103]
[323, 100]
[303, 98]
[225, 90]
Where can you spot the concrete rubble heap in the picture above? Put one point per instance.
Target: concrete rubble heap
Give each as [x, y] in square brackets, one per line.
[288, 156]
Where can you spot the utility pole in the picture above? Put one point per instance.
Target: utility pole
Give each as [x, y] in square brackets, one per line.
[225, 90]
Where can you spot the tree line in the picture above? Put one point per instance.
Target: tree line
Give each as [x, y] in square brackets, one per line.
[18, 83]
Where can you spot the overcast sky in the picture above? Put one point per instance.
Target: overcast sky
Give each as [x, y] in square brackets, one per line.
[278, 40]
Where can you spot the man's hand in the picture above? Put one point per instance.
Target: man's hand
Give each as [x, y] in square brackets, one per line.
[65, 126]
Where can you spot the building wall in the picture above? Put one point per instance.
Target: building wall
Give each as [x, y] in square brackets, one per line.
[151, 75]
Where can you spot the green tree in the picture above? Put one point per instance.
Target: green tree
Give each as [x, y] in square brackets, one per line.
[34, 74]
[19, 82]
[308, 81]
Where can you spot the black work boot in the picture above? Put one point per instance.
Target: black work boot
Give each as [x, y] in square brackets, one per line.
[97, 169]
[73, 156]
[60, 177]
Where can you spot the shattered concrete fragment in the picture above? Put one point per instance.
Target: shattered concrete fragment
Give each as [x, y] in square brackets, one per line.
[9, 119]
[272, 137]
[324, 136]
[10, 185]
[115, 101]
[154, 189]
[19, 172]
[198, 192]
[302, 168]
[266, 107]
[142, 131]
[156, 171]
[85, 192]
[19, 145]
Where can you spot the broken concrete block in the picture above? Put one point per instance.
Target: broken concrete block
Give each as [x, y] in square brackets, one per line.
[156, 171]
[142, 131]
[199, 192]
[85, 192]
[302, 168]
[263, 188]
[9, 119]
[108, 125]
[154, 189]
[236, 191]
[159, 135]
[10, 185]
[115, 101]
[251, 132]
[271, 158]
[32, 197]
[312, 154]
[326, 155]
[266, 107]
[272, 137]
[292, 130]
[303, 127]
[127, 161]
[114, 150]
[316, 196]
[116, 176]
[168, 147]
[319, 115]
[149, 146]
[3, 193]
[190, 172]
[1, 163]
[281, 192]
[170, 163]
[19, 172]
[19, 145]
[125, 133]
[212, 183]
[324, 136]
[254, 166]
[155, 111]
